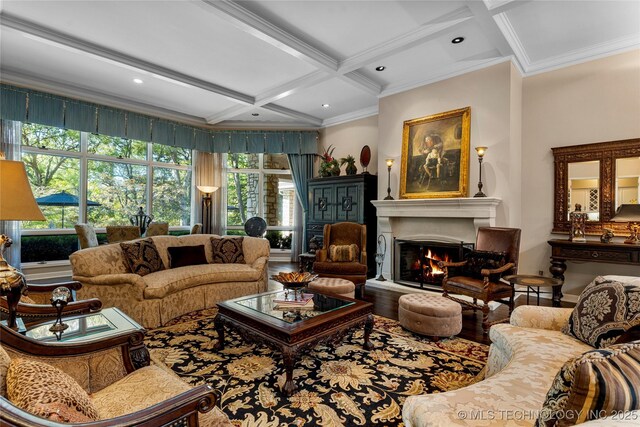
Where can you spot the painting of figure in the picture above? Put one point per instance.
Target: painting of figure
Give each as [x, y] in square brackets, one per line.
[435, 155]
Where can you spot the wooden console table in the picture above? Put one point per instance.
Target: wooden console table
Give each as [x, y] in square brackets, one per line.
[590, 251]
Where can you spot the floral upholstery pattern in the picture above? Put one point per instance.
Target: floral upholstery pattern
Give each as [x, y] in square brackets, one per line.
[156, 298]
[605, 310]
[593, 385]
[48, 392]
[552, 318]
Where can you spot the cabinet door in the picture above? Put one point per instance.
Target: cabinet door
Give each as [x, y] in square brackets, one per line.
[349, 201]
[322, 203]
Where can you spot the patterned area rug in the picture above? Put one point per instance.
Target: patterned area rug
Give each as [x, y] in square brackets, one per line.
[343, 385]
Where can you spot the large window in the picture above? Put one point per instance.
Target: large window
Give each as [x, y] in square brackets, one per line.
[84, 177]
[261, 185]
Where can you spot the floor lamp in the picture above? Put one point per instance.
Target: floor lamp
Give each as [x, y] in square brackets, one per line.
[16, 204]
[206, 191]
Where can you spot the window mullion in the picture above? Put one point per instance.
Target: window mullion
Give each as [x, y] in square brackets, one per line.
[84, 179]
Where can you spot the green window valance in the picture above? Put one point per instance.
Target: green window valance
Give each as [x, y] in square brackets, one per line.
[32, 106]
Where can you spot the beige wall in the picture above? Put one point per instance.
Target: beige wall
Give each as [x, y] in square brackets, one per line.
[592, 102]
[494, 95]
[349, 138]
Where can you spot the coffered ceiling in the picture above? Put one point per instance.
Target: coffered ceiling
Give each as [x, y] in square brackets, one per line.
[274, 64]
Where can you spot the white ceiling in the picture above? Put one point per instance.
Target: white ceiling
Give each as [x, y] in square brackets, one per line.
[218, 63]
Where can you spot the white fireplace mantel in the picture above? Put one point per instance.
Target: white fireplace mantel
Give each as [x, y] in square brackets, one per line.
[482, 210]
[453, 219]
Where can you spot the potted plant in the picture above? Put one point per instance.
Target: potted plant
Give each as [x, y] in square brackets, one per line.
[329, 165]
[350, 161]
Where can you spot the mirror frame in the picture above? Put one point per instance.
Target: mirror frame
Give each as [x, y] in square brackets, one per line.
[606, 153]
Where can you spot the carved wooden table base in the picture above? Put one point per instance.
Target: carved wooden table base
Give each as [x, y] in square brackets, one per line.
[292, 340]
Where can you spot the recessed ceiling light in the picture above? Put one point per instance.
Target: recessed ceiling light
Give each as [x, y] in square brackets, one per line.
[138, 81]
[255, 114]
[381, 68]
[325, 105]
[457, 40]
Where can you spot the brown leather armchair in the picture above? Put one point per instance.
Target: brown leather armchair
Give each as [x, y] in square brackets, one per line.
[486, 284]
[343, 233]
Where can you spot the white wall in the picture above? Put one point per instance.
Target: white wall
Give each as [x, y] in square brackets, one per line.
[494, 95]
[592, 102]
[349, 138]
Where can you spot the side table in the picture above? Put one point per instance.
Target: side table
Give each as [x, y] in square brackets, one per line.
[306, 261]
[531, 281]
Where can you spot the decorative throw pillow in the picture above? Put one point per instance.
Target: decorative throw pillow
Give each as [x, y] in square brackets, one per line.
[597, 384]
[142, 256]
[344, 253]
[604, 311]
[479, 260]
[227, 250]
[5, 361]
[46, 391]
[180, 256]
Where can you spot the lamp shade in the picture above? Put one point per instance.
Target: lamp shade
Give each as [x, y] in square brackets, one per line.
[627, 213]
[16, 198]
[207, 189]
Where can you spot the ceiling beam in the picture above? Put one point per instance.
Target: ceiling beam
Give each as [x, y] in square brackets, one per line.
[292, 113]
[118, 58]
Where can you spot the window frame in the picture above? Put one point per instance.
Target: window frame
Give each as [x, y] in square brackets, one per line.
[85, 156]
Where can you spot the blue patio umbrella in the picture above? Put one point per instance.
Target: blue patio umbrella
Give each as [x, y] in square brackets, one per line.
[62, 199]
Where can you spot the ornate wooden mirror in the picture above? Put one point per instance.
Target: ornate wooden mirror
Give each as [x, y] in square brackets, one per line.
[600, 177]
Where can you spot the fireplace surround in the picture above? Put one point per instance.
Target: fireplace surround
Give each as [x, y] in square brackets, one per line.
[416, 261]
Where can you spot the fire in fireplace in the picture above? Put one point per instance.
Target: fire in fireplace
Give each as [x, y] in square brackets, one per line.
[416, 261]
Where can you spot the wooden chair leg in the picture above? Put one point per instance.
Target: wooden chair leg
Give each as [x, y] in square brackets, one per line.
[485, 318]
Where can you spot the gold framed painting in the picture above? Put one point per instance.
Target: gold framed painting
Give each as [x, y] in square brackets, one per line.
[435, 156]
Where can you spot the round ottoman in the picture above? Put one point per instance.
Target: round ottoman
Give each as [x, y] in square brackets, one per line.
[430, 315]
[332, 285]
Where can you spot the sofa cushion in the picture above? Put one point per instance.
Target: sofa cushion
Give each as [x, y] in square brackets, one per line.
[344, 253]
[46, 391]
[227, 250]
[142, 256]
[163, 283]
[604, 311]
[597, 384]
[349, 268]
[181, 256]
[5, 360]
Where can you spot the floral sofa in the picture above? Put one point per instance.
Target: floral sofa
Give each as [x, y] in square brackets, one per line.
[156, 298]
[524, 358]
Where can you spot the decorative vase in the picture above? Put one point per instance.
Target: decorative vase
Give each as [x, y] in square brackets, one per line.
[335, 171]
[351, 169]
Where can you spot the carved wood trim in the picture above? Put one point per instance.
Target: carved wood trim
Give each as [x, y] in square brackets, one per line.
[606, 153]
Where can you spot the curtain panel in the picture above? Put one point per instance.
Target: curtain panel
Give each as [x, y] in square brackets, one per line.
[301, 172]
[31, 106]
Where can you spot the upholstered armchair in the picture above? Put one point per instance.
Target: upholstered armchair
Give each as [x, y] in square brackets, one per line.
[338, 258]
[86, 236]
[157, 229]
[36, 305]
[96, 383]
[196, 228]
[495, 255]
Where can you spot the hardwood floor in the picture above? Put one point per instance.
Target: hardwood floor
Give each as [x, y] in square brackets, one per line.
[385, 303]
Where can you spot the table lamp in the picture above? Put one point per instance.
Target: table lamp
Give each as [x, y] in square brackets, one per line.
[389, 164]
[206, 191]
[631, 214]
[16, 204]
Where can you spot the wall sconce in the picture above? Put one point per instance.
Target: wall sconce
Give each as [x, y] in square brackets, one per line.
[629, 213]
[480, 151]
[389, 164]
[59, 299]
[206, 191]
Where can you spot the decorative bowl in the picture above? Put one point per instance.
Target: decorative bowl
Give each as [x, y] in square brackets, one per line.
[294, 280]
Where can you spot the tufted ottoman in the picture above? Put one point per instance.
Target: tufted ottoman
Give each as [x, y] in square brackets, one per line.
[430, 315]
[333, 285]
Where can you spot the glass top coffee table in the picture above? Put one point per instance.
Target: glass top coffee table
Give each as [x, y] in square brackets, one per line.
[290, 329]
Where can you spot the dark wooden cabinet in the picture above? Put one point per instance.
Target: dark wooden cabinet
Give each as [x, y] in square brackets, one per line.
[344, 199]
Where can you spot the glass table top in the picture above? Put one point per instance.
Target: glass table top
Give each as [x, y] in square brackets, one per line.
[83, 327]
[278, 305]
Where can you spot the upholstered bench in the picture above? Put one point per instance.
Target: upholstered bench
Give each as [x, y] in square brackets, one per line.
[333, 285]
[430, 315]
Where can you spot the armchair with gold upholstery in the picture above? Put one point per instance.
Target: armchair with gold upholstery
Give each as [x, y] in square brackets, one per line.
[495, 255]
[96, 383]
[36, 306]
[338, 258]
